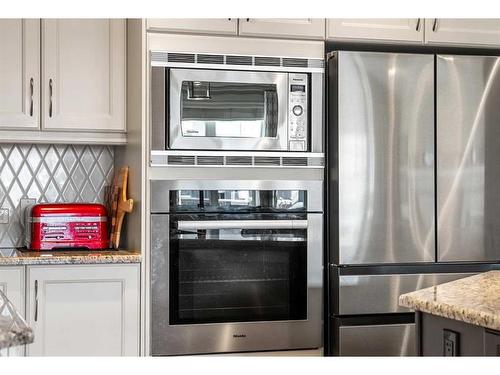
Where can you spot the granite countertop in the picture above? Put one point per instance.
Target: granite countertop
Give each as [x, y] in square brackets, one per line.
[13, 328]
[9, 257]
[474, 300]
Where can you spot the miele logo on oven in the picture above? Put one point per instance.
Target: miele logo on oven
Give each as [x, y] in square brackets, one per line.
[237, 336]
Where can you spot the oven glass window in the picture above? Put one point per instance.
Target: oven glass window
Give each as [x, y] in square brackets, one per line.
[243, 274]
[238, 200]
[229, 109]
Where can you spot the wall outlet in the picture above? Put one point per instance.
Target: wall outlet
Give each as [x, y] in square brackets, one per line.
[4, 216]
[450, 343]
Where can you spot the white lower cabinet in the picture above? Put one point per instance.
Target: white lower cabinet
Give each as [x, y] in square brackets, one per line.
[84, 310]
[12, 285]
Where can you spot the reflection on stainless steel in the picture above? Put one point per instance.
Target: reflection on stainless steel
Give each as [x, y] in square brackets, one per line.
[386, 157]
[468, 137]
[378, 340]
[378, 294]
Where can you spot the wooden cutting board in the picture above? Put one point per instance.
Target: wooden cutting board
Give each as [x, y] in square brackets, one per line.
[119, 206]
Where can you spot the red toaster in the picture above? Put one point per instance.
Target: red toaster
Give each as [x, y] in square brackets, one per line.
[65, 226]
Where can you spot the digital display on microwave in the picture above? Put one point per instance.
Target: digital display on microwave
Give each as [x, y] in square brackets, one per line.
[298, 88]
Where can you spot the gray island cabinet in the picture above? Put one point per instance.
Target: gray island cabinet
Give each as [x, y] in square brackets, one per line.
[459, 318]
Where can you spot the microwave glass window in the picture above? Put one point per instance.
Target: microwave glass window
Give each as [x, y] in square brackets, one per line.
[238, 200]
[229, 109]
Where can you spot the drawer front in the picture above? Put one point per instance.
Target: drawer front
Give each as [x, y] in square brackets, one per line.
[376, 294]
[377, 340]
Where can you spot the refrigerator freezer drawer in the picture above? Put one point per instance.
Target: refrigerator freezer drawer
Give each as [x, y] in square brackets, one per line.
[377, 340]
[378, 294]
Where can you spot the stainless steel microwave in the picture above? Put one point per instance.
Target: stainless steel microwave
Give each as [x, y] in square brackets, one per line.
[235, 108]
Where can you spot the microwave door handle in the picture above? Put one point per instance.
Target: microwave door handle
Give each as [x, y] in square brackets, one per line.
[242, 224]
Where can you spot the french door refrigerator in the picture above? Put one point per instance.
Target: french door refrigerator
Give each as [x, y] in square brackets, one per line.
[411, 165]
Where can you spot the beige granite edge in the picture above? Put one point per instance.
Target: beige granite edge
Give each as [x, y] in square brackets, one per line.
[451, 311]
[83, 259]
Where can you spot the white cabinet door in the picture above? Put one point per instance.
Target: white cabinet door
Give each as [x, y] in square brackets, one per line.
[293, 28]
[386, 29]
[465, 31]
[84, 310]
[12, 285]
[226, 26]
[83, 76]
[19, 73]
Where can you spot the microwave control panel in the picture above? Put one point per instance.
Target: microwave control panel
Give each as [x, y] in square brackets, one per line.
[297, 112]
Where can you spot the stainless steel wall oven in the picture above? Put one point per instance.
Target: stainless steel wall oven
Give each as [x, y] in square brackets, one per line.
[236, 266]
[251, 104]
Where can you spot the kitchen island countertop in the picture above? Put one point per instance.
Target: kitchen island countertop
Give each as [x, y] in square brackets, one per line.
[23, 257]
[474, 300]
[13, 328]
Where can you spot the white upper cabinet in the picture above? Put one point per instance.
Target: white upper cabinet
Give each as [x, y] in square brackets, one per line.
[84, 310]
[19, 74]
[465, 31]
[225, 26]
[83, 74]
[384, 29]
[293, 28]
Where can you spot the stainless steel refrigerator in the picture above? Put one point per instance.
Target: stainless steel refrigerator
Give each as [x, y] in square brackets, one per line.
[412, 177]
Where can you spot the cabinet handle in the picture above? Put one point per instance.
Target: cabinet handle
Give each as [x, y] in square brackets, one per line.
[32, 82]
[50, 96]
[36, 300]
[248, 19]
[418, 24]
[434, 25]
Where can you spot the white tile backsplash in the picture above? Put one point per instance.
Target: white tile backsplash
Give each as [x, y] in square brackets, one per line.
[50, 173]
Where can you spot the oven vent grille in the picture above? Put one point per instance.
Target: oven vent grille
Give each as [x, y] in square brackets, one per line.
[239, 160]
[267, 160]
[209, 59]
[181, 57]
[294, 161]
[267, 61]
[239, 60]
[219, 159]
[315, 63]
[295, 63]
[159, 57]
[181, 160]
[163, 58]
[210, 160]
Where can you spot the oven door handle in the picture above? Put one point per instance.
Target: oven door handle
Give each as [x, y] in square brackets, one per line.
[242, 224]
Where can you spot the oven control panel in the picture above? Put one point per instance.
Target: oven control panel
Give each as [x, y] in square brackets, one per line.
[297, 112]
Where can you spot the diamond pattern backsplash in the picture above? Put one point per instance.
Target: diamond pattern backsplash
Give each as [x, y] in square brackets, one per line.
[50, 173]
